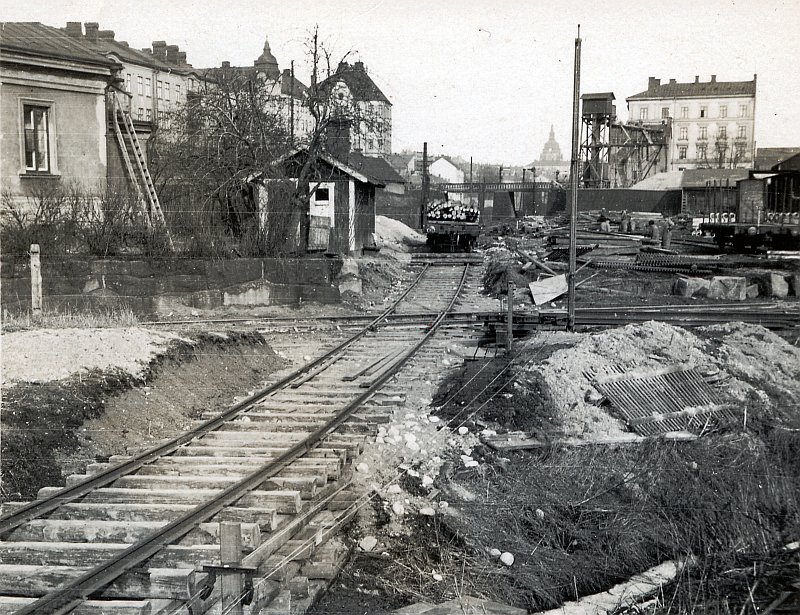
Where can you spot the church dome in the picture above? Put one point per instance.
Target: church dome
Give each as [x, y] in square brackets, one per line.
[267, 64]
[551, 152]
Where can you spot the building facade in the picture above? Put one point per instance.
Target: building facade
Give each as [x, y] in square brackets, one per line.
[52, 111]
[713, 122]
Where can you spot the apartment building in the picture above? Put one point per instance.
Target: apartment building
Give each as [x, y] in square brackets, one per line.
[712, 122]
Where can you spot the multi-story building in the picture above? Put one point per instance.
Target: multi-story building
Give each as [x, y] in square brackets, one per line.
[158, 80]
[371, 133]
[712, 122]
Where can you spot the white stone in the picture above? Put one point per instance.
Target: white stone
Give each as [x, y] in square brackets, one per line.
[427, 481]
[488, 432]
[427, 511]
[540, 513]
[363, 468]
[306, 358]
[472, 464]
[398, 509]
[463, 430]
[380, 440]
[466, 458]
[433, 419]
[393, 489]
[443, 504]
[368, 543]
[495, 552]
[437, 577]
[410, 437]
[411, 445]
[413, 473]
[507, 558]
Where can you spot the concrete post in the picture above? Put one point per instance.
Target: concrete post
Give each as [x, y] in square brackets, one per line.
[230, 552]
[36, 281]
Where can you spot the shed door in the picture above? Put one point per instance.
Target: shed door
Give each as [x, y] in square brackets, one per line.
[321, 216]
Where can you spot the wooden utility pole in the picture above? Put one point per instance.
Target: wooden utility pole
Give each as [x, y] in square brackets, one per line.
[510, 318]
[36, 281]
[291, 108]
[573, 178]
[425, 180]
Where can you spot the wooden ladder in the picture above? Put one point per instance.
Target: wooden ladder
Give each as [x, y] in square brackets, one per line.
[143, 182]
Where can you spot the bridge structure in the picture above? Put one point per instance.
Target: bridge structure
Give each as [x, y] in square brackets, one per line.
[539, 190]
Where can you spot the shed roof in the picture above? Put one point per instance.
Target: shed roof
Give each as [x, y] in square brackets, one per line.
[38, 40]
[713, 88]
[768, 157]
[377, 169]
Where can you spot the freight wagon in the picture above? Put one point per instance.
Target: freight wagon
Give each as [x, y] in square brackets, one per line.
[452, 227]
[763, 212]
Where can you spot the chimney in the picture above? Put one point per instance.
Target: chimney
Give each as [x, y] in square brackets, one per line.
[286, 82]
[653, 83]
[147, 50]
[672, 82]
[105, 34]
[172, 54]
[74, 29]
[91, 28]
[337, 139]
[182, 58]
[226, 64]
[359, 66]
[713, 78]
[160, 50]
[124, 43]
[342, 67]
[697, 78]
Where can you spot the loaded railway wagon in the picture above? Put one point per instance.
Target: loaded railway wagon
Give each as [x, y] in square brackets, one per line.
[763, 212]
[451, 227]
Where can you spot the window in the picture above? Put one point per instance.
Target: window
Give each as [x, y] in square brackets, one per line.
[701, 152]
[191, 84]
[159, 89]
[664, 112]
[140, 114]
[682, 152]
[139, 86]
[684, 135]
[643, 113]
[149, 115]
[703, 111]
[128, 82]
[722, 133]
[322, 195]
[37, 138]
[723, 110]
[684, 113]
[166, 90]
[742, 110]
[177, 92]
[148, 87]
[703, 133]
[741, 132]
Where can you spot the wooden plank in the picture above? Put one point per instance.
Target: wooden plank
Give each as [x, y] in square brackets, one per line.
[9, 605]
[68, 530]
[284, 501]
[36, 581]
[90, 554]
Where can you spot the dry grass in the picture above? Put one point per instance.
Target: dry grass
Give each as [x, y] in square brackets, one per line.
[68, 319]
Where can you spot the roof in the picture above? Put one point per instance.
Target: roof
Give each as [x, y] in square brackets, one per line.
[598, 96]
[768, 157]
[358, 81]
[712, 88]
[689, 178]
[133, 56]
[347, 167]
[39, 40]
[376, 169]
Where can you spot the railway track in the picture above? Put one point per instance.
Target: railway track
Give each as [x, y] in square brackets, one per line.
[227, 517]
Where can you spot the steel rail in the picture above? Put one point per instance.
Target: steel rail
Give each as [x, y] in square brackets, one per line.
[38, 508]
[66, 599]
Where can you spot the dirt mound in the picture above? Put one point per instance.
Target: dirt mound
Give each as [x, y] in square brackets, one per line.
[53, 354]
[66, 424]
[397, 236]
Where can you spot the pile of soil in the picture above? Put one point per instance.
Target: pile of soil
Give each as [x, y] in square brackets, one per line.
[54, 428]
[396, 236]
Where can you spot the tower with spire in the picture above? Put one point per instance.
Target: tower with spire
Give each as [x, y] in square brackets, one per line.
[267, 64]
[551, 152]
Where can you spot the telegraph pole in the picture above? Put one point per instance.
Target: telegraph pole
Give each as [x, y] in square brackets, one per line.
[425, 179]
[291, 108]
[573, 173]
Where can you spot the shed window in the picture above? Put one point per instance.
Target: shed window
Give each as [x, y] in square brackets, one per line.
[322, 195]
[37, 138]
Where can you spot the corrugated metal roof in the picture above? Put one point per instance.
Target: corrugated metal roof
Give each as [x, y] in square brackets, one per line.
[699, 89]
[37, 39]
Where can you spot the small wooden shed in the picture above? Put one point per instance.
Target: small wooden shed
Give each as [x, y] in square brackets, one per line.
[341, 208]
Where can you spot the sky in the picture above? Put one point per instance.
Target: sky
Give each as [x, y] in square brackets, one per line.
[483, 79]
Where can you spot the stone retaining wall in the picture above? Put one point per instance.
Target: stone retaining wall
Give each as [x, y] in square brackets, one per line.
[153, 287]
